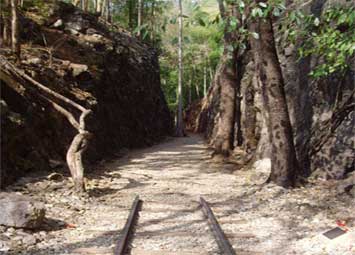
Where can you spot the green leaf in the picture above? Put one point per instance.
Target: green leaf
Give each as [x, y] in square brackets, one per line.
[233, 22]
[230, 48]
[201, 22]
[281, 6]
[316, 22]
[241, 4]
[276, 12]
[255, 35]
[145, 34]
[173, 21]
[256, 12]
[262, 4]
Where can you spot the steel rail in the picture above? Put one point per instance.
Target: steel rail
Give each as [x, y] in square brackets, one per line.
[218, 233]
[127, 230]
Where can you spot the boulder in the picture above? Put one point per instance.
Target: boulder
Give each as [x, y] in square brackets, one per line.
[78, 68]
[33, 61]
[20, 211]
[58, 23]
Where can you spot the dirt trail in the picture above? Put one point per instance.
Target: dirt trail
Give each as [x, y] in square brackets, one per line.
[170, 177]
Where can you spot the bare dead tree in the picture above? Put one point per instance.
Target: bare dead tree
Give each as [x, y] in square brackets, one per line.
[15, 40]
[19, 80]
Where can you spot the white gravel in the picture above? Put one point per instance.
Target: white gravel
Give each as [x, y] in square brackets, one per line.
[170, 178]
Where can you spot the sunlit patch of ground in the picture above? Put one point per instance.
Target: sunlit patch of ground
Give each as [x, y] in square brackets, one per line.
[170, 178]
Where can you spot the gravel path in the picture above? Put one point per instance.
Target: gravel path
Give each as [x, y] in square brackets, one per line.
[170, 178]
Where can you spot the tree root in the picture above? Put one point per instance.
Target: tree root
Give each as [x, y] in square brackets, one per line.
[19, 80]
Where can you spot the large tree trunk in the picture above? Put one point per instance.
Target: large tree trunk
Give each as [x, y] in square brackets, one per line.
[227, 81]
[284, 164]
[226, 78]
[15, 40]
[179, 122]
[248, 110]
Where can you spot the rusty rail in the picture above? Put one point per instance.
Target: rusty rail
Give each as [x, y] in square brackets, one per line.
[218, 233]
[128, 228]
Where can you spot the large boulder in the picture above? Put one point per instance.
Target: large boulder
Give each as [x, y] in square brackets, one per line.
[20, 211]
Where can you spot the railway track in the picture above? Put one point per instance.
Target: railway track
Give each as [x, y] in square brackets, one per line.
[122, 246]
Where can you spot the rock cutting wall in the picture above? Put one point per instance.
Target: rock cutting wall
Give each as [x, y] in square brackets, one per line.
[321, 111]
[112, 73]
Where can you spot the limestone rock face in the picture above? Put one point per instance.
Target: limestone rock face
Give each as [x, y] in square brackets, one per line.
[102, 68]
[322, 121]
[321, 111]
[20, 211]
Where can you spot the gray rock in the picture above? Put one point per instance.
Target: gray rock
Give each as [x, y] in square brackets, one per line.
[72, 31]
[91, 31]
[33, 61]
[20, 211]
[78, 68]
[29, 240]
[55, 177]
[58, 23]
[289, 50]
[55, 163]
[4, 246]
[77, 23]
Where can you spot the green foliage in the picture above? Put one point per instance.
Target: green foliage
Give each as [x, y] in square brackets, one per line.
[202, 48]
[331, 37]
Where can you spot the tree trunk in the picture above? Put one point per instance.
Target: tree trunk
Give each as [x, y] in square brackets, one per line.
[227, 80]
[204, 80]
[107, 10]
[11, 75]
[77, 2]
[139, 19]
[75, 152]
[130, 14]
[153, 25]
[284, 164]
[15, 40]
[179, 121]
[190, 88]
[99, 7]
[197, 89]
[5, 37]
[223, 142]
[86, 5]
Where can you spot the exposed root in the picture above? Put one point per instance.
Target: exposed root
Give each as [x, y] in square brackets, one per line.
[19, 80]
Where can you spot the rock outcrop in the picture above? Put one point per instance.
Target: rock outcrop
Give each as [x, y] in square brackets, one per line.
[321, 111]
[101, 68]
[20, 211]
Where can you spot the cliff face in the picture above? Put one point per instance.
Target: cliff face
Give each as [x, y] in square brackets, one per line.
[99, 67]
[321, 111]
